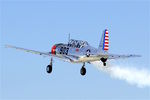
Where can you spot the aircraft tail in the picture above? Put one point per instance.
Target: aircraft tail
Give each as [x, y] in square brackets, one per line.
[104, 43]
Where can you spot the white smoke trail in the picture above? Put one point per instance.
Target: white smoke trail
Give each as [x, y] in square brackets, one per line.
[131, 75]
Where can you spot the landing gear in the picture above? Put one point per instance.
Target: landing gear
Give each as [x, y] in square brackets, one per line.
[83, 70]
[88, 52]
[49, 67]
[104, 61]
[104, 64]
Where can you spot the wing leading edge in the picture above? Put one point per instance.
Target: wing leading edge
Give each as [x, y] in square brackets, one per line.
[30, 51]
[63, 57]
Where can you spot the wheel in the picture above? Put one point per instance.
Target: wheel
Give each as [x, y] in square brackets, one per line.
[104, 64]
[88, 52]
[49, 68]
[83, 71]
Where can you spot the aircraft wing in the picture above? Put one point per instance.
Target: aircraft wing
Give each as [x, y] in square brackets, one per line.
[69, 58]
[31, 51]
[115, 56]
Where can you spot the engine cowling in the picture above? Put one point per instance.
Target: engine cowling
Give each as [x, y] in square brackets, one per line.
[58, 49]
[53, 50]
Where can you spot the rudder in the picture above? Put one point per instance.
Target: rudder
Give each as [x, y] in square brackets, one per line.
[104, 43]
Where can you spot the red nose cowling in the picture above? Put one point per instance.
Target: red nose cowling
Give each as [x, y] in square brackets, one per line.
[53, 50]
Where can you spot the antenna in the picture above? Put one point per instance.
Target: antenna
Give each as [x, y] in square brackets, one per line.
[68, 37]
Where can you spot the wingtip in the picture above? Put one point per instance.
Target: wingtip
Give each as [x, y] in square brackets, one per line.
[139, 55]
[136, 55]
[7, 46]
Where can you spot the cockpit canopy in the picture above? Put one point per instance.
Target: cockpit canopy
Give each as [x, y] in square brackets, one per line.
[77, 43]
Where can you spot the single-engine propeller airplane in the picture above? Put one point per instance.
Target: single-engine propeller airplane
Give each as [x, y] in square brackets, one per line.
[78, 51]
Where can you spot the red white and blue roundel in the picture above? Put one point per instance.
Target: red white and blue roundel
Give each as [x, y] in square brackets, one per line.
[106, 41]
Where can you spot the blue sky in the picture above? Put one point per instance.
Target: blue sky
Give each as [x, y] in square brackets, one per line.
[40, 24]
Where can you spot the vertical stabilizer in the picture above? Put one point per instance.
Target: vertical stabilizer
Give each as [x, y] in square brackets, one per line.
[104, 43]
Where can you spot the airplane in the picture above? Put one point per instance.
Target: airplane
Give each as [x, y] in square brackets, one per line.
[78, 51]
